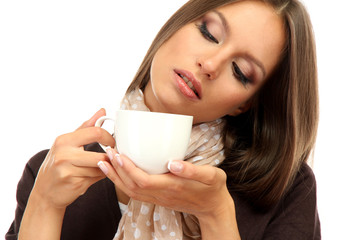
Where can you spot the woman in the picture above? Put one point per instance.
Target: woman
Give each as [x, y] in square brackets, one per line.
[245, 68]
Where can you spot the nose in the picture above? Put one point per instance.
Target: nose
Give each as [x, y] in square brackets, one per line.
[210, 66]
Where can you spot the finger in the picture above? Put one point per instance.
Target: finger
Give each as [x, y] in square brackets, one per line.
[111, 173]
[91, 122]
[206, 174]
[116, 165]
[77, 157]
[87, 172]
[133, 176]
[111, 152]
[138, 180]
[84, 136]
[162, 189]
[167, 190]
[86, 159]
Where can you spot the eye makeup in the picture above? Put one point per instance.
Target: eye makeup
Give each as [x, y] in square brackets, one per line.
[205, 32]
[214, 27]
[238, 74]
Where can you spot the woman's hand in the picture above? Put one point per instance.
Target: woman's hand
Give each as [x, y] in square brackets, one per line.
[197, 190]
[66, 173]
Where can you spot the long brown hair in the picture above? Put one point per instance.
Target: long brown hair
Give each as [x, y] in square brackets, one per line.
[265, 147]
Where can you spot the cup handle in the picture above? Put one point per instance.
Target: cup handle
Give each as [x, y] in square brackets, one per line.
[99, 123]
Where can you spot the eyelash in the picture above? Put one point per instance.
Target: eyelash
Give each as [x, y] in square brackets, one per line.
[238, 74]
[205, 32]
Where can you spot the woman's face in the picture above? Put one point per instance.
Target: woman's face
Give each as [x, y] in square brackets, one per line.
[213, 66]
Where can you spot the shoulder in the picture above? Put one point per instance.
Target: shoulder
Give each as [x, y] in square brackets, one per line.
[296, 215]
[306, 174]
[303, 186]
[30, 172]
[35, 162]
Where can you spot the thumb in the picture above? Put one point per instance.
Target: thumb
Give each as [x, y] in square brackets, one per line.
[91, 122]
[206, 174]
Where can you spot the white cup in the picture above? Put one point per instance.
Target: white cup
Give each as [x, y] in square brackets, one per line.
[151, 139]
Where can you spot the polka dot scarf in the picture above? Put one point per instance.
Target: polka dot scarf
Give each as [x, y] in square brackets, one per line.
[144, 220]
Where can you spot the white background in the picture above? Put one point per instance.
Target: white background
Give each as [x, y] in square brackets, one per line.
[60, 61]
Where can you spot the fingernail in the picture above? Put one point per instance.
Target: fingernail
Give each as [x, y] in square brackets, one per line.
[109, 153]
[103, 167]
[119, 160]
[175, 166]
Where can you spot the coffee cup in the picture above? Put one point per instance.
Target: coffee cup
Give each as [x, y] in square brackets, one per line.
[151, 139]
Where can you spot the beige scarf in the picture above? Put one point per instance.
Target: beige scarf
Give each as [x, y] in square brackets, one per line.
[148, 221]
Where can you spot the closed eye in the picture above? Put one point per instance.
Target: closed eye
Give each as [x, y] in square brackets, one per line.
[205, 32]
[239, 75]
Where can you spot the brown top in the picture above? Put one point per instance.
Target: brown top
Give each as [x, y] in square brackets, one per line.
[96, 214]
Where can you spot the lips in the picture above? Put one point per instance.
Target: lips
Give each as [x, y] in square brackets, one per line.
[190, 81]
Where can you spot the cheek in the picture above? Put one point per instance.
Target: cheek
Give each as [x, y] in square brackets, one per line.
[183, 43]
[233, 99]
[172, 45]
[228, 101]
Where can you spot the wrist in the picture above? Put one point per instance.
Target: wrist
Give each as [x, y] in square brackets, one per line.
[44, 203]
[220, 223]
[39, 212]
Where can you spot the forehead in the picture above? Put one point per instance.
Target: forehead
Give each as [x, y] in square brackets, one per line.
[255, 29]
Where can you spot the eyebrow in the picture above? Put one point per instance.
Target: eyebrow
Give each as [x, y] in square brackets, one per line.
[248, 56]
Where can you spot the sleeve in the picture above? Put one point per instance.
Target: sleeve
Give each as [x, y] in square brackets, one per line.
[24, 188]
[297, 217]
